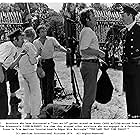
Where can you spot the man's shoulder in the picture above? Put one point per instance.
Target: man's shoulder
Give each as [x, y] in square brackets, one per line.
[36, 40]
[50, 37]
[87, 30]
[7, 44]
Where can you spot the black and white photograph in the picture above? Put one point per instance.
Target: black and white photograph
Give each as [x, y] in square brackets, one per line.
[69, 68]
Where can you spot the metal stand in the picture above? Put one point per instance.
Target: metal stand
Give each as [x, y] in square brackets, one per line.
[75, 86]
[59, 92]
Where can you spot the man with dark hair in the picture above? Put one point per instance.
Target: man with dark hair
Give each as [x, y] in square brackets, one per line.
[131, 65]
[8, 61]
[46, 46]
[90, 52]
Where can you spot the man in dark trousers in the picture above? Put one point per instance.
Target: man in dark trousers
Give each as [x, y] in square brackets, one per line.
[131, 59]
[46, 46]
[7, 63]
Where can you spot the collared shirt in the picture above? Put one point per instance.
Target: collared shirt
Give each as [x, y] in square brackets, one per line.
[87, 39]
[28, 62]
[47, 48]
[130, 25]
[7, 53]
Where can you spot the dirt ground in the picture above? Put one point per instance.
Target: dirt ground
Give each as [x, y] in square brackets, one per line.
[115, 109]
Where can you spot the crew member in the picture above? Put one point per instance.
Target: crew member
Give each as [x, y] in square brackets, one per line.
[90, 52]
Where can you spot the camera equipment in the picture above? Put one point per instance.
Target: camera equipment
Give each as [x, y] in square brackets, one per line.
[70, 29]
[71, 34]
[59, 92]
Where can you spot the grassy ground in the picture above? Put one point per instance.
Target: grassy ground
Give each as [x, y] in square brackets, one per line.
[115, 109]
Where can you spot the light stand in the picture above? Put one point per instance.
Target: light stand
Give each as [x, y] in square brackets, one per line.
[75, 85]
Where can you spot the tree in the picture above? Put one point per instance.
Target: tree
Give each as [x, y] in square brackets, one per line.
[99, 6]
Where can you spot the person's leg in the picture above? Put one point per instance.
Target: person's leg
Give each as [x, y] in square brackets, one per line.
[26, 99]
[89, 73]
[12, 77]
[3, 101]
[48, 82]
[137, 92]
[35, 93]
[129, 79]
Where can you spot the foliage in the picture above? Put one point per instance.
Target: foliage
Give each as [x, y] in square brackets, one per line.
[99, 6]
[40, 14]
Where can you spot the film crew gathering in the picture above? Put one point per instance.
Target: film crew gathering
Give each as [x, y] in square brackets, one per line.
[30, 52]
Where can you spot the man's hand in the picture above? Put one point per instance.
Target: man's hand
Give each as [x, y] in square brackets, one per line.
[1, 74]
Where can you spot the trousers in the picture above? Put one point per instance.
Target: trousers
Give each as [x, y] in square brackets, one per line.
[3, 100]
[32, 96]
[48, 81]
[89, 73]
[131, 78]
[12, 77]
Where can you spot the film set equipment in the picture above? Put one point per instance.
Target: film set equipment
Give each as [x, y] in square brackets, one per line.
[59, 92]
[70, 29]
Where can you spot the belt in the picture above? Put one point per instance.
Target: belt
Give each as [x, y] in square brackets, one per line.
[90, 60]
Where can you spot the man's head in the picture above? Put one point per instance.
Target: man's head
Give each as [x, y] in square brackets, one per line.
[17, 38]
[30, 33]
[128, 14]
[87, 18]
[41, 31]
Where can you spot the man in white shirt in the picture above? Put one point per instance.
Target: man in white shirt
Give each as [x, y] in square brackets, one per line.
[7, 62]
[46, 46]
[90, 52]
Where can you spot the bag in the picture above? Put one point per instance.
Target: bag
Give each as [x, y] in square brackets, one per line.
[40, 72]
[57, 111]
[104, 88]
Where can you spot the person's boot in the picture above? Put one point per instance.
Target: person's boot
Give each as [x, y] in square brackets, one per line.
[15, 114]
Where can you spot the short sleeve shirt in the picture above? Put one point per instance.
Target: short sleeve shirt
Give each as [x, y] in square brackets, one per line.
[88, 39]
[28, 62]
[47, 48]
[7, 53]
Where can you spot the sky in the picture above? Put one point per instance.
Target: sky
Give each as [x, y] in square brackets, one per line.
[55, 6]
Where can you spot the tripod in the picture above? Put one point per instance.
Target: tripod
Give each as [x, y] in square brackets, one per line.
[59, 92]
[75, 86]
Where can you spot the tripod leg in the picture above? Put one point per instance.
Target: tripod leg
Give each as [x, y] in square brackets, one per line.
[73, 86]
[77, 86]
[60, 83]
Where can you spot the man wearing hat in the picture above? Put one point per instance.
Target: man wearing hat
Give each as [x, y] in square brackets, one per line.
[131, 61]
[7, 63]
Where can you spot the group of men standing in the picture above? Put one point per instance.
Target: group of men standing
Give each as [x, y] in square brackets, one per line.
[90, 52]
[10, 58]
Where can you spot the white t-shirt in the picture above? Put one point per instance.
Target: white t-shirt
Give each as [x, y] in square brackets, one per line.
[87, 39]
[28, 62]
[48, 48]
[7, 53]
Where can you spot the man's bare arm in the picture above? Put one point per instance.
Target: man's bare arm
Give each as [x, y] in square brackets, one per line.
[17, 59]
[1, 74]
